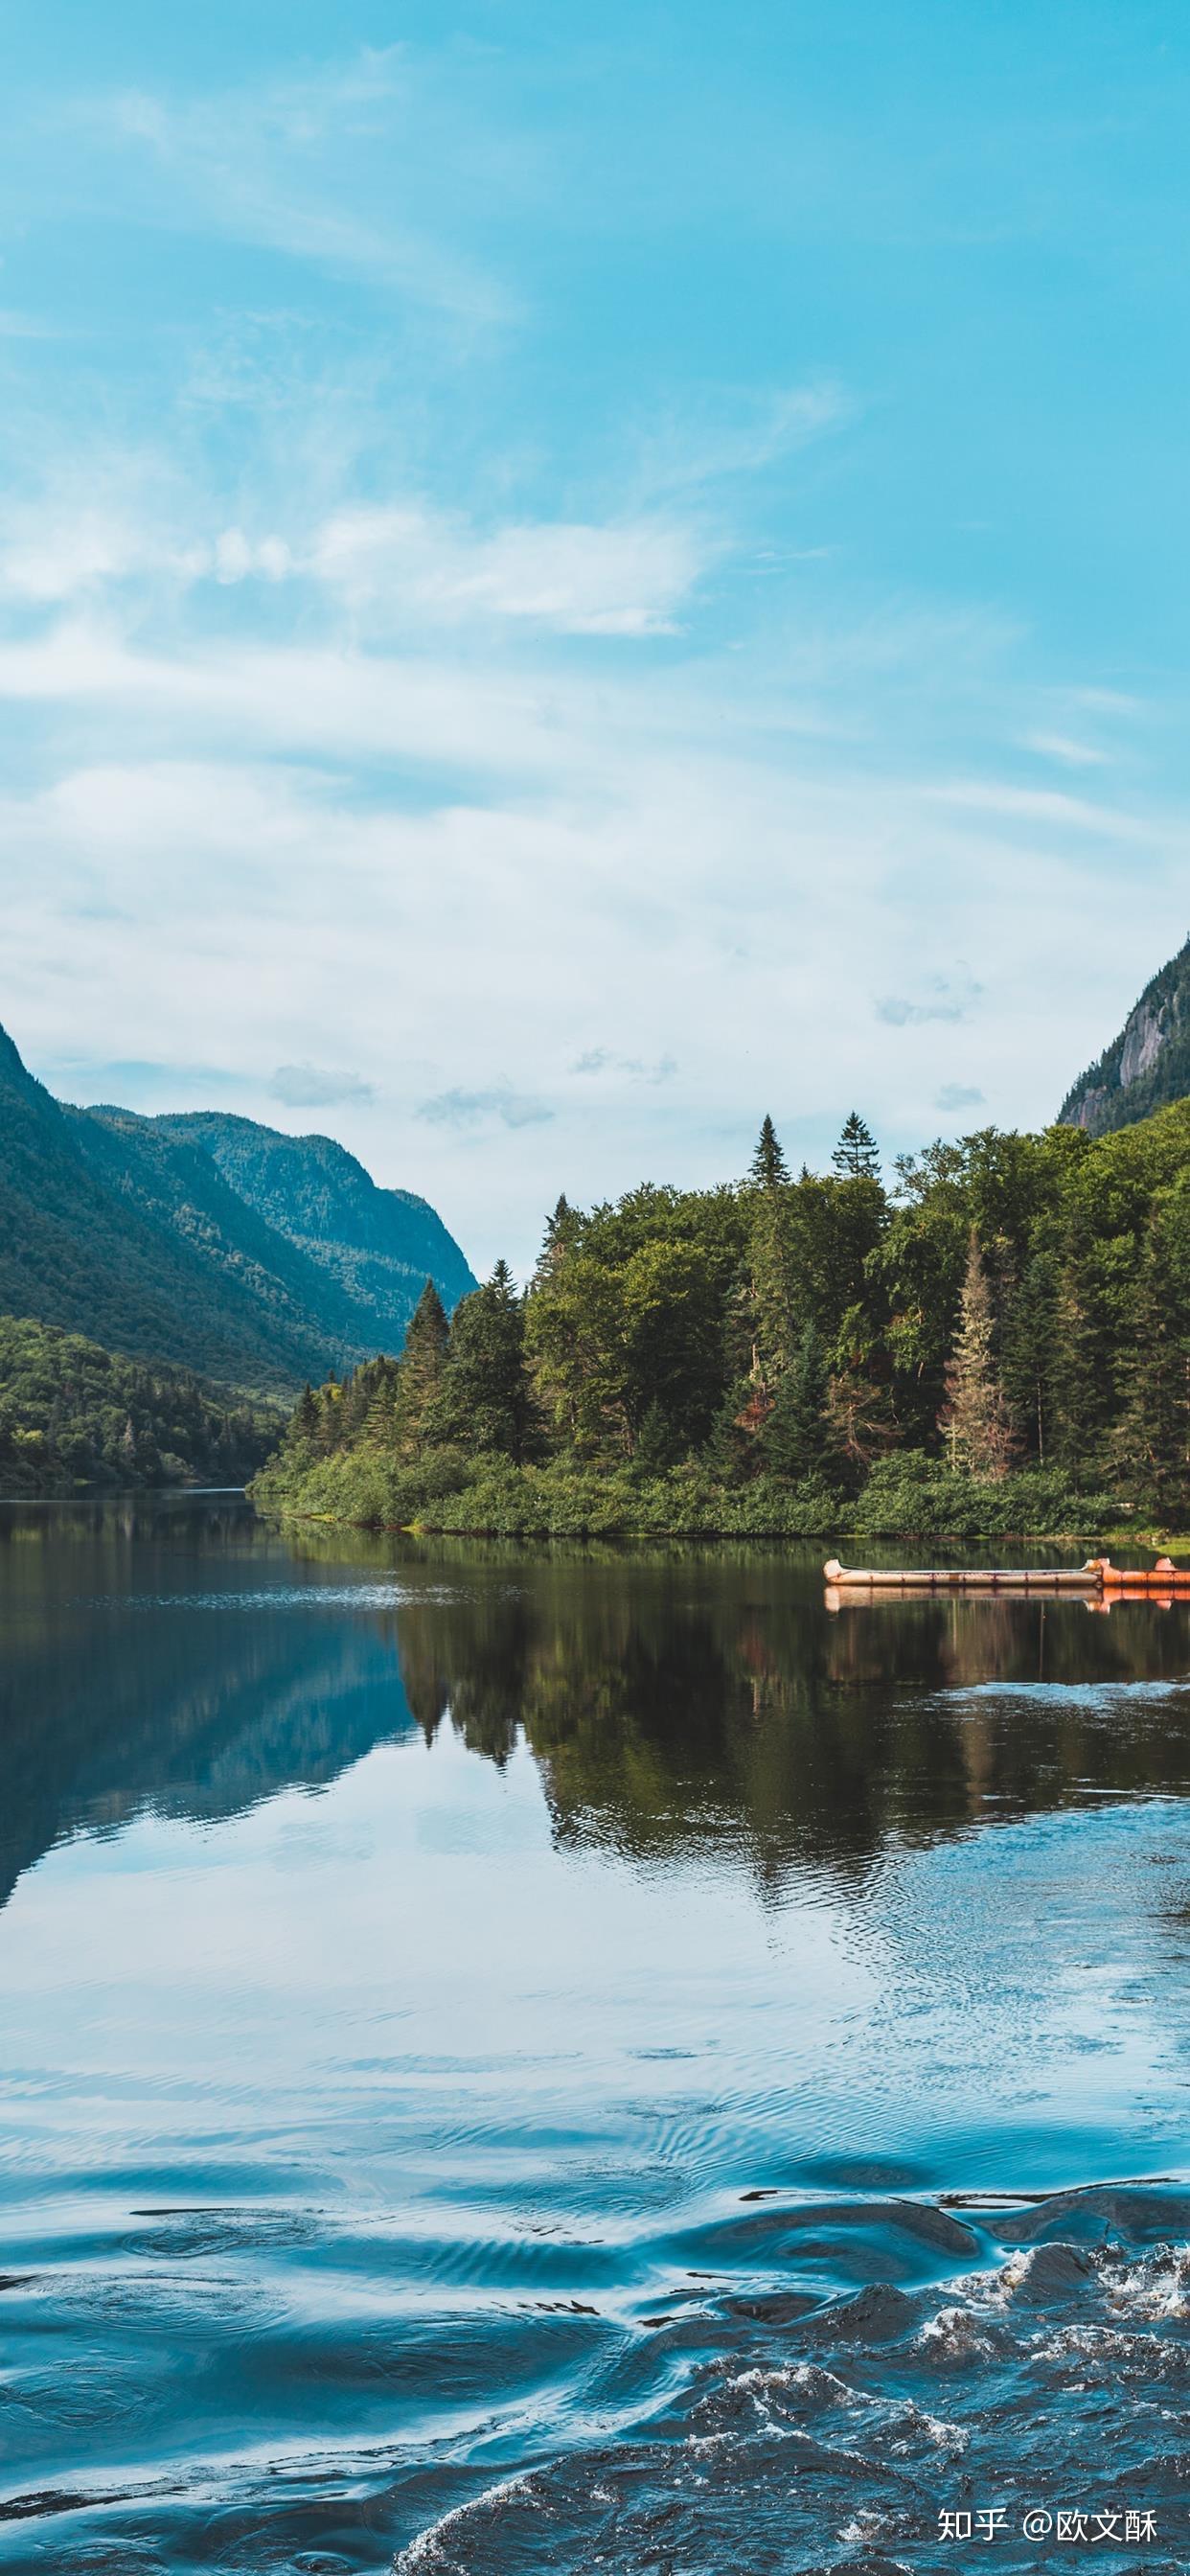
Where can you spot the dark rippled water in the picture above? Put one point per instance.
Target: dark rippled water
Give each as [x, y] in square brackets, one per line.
[586, 2061]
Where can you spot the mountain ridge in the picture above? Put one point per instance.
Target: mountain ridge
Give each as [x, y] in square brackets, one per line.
[379, 1244]
[114, 1227]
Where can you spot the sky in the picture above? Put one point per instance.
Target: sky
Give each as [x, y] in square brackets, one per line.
[570, 577]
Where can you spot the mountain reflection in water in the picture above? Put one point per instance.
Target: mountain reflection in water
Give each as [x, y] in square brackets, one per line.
[673, 1700]
[578, 2059]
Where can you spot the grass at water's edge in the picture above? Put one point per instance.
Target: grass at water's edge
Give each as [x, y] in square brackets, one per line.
[1175, 1544]
[904, 1498]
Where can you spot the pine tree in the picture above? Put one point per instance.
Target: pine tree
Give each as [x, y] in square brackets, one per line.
[975, 1418]
[1153, 1441]
[771, 1282]
[793, 1440]
[856, 1156]
[732, 1450]
[1029, 1342]
[485, 1399]
[768, 1168]
[1083, 1369]
[561, 1235]
[420, 1371]
[656, 1446]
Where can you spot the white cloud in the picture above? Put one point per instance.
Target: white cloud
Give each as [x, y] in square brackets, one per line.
[459, 1108]
[401, 566]
[699, 898]
[318, 1086]
[579, 580]
[55, 550]
[958, 1095]
[625, 1068]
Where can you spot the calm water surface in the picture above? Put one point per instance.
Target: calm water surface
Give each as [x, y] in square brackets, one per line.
[518, 2062]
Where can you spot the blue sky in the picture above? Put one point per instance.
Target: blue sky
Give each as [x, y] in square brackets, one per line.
[568, 577]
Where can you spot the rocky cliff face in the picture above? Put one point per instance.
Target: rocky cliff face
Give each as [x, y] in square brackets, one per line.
[1147, 1066]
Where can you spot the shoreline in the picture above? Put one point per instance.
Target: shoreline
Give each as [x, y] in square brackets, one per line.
[1118, 1537]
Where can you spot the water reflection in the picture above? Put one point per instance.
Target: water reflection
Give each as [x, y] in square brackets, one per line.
[675, 1701]
[417, 2137]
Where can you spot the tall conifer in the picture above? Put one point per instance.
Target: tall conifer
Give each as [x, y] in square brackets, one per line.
[768, 1168]
[857, 1155]
[975, 1419]
[420, 1371]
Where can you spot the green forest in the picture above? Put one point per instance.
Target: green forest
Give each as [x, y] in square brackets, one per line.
[997, 1342]
[76, 1419]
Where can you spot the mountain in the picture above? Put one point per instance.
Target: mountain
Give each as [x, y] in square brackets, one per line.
[1147, 1066]
[379, 1246]
[113, 1227]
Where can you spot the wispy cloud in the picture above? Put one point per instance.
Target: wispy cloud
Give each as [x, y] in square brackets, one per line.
[742, 432]
[958, 1095]
[628, 1068]
[942, 997]
[1063, 747]
[318, 1086]
[1037, 805]
[397, 566]
[578, 579]
[474, 1108]
[313, 168]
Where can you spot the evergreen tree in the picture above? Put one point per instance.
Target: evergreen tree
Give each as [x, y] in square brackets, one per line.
[975, 1419]
[485, 1400]
[768, 1167]
[1153, 1443]
[793, 1439]
[856, 1156]
[1027, 1292]
[420, 1371]
[1029, 1343]
[772, 1282]
[562, 1231]
[1083, 1367]
[657, 1446]
[732, 1452]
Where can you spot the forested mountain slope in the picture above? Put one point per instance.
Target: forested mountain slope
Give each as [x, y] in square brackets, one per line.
[379, 1246]
[74, 1419]
[113, 1227]
[1147, 1066]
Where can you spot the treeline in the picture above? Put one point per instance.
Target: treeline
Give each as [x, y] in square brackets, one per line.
[999, 1341]
[77, 1419]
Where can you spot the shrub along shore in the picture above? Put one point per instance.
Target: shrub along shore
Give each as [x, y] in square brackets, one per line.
[997, 1345]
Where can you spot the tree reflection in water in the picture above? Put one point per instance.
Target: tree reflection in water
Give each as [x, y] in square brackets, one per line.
[677, 1701]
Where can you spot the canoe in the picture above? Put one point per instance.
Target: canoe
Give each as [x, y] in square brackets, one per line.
[1096, 1576]
[962, 1578]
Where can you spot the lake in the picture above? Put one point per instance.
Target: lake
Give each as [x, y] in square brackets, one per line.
[520, 2060]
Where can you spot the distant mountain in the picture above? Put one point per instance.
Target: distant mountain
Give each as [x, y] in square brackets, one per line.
[379, 1246]
[116, 1228]
[1147, 1066]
